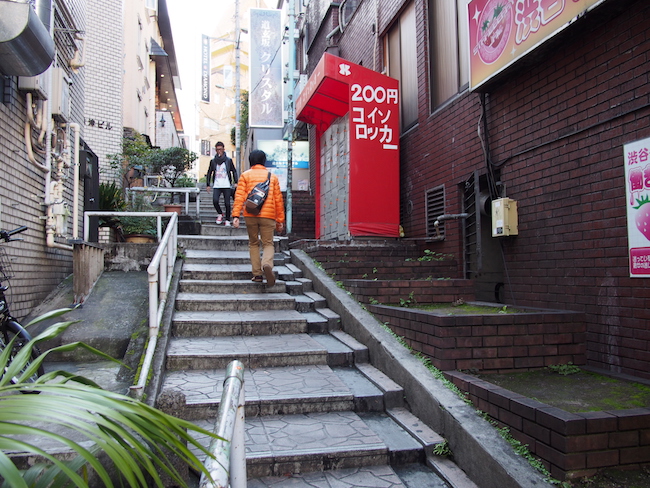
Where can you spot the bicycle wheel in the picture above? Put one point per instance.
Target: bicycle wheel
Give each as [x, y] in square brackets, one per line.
[11, 330]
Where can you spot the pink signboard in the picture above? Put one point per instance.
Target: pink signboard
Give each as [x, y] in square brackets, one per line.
[502, 31]
[637, 185]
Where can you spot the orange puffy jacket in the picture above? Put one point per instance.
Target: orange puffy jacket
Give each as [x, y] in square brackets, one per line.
[273, 207]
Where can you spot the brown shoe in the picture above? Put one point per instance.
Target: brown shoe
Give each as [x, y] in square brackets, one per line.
[257, 279]
[270, 277]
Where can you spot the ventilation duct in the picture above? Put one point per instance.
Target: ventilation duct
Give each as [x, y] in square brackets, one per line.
[26, 47]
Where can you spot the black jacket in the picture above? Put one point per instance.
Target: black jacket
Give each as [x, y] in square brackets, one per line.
[230, 168]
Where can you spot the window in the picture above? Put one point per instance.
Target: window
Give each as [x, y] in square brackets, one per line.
[401, 64]
[448, 46]
[435, 207]
[346, 11]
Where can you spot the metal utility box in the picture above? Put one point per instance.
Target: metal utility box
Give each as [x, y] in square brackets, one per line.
[504, 217]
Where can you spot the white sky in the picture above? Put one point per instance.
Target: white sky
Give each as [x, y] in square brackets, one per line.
[189, 20]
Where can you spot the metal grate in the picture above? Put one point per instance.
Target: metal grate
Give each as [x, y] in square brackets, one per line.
[435, 206]
[6, 272]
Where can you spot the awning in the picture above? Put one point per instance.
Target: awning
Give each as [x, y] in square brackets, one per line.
[155, 49]
[326, 94]
[26, 47]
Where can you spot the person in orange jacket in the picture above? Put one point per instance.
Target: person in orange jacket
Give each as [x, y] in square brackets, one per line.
[260, 227]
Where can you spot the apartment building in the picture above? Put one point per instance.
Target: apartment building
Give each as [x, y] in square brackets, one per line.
[70, 74]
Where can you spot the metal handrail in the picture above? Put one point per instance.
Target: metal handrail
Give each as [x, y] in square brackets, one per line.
[160, 272]
[227, 465]
[183, 190]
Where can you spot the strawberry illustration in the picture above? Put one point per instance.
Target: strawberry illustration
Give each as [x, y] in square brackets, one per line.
[642, 218]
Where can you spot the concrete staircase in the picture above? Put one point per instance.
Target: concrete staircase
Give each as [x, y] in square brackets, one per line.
[317, 412]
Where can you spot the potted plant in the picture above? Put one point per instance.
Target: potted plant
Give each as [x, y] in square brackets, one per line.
[111, 198]
[139, 229]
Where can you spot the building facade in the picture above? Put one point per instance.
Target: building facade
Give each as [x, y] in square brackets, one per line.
[546, 133]
[63, 109]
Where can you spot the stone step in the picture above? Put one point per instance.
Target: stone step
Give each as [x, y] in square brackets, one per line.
[338, 353]
[298, 286]
[316, 323]
[362, 477]
[217, 271]
[225, 242]
[252, 351]
[213, 256]
[226, 323]
[244, 286]
[268, 391]
[210, 228]
[283, 390]
[287, 444]
[202, 302]
[309, 302]
[209, 256]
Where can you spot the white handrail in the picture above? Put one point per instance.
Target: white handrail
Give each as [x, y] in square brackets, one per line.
[227, 466]
[183, 190]
[160, 272]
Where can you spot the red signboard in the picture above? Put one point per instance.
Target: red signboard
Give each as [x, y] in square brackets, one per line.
[502, 31]
[338, 87]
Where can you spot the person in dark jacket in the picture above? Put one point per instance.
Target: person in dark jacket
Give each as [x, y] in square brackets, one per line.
[222, 179]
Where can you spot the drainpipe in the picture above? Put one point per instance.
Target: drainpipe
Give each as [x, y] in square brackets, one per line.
[38, 124]
[50, 225]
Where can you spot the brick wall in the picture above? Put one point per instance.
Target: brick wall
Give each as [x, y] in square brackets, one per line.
[104, 74]
[394, 291]
[570, 445]
[37, 268]
[557, 123]
[302, 222]
[494, 343]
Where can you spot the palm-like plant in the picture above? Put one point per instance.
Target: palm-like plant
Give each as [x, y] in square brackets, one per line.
[91, 423]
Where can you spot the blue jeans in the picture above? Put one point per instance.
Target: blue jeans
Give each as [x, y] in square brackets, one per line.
[227, 195]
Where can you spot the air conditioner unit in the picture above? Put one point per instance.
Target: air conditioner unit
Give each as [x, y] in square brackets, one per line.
[38, 85]
[60, 99]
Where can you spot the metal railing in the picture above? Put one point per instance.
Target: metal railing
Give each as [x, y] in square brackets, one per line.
[181, 190]
[160, 272]
[227, 466]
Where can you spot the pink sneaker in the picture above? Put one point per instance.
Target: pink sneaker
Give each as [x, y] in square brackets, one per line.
[219, 219]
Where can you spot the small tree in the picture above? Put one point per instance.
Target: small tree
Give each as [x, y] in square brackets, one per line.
[171, 163]
[131, 162]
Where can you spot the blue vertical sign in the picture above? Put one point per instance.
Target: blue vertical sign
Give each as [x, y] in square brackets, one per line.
[205, 68]
[265, 97]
